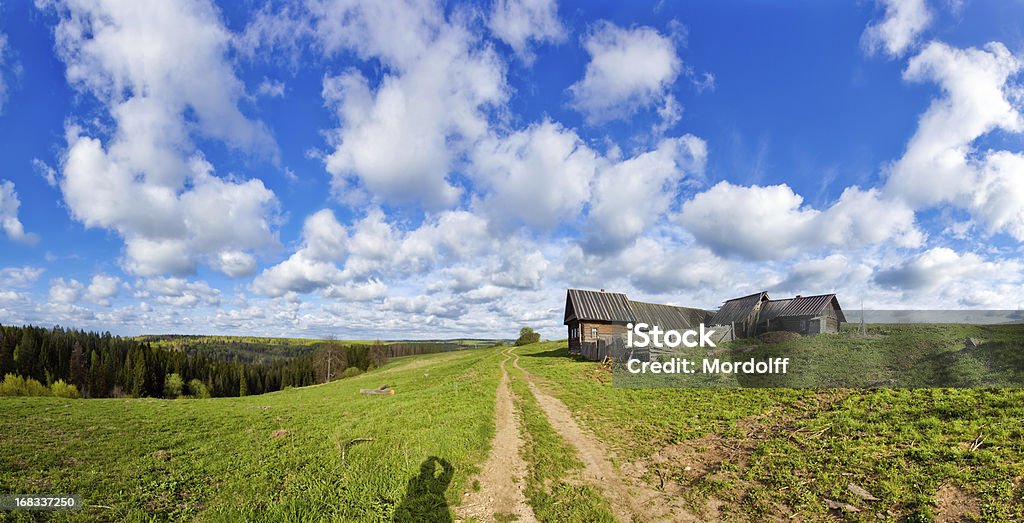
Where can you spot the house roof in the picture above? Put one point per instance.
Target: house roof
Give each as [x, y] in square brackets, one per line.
[596, 306]
[737, 309]
[616, 307]
[667, 316]
[771, 309]
[812, 305]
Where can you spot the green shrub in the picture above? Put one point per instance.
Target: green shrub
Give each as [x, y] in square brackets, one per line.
[351, 371]
[14, 385]
[64, 390]
[197, 389]
[173, 385]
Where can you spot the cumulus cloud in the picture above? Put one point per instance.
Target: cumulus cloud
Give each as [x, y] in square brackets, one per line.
[9, 222]
[899, 28]
[539, 176]
[179, 292]
[65, 291]
[771, 222]
[942, 163]
[943, 271]
[631, 195]
[19, 277]
[629, 69]
[162, 74]
[523, 23]
[102, 288]
[312, 266]
[270, 88]
[399, 140]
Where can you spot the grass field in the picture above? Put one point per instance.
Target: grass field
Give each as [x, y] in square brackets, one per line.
[739, 454]
[786, 451]
[219, 459]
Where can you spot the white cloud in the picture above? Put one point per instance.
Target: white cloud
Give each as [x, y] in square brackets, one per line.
[630, 196]
[629, 69]
[19, 277]
[179, 292]
[522, 23]
[65, 291]
[370, 290]
[48, 173]
[312, 266]
[539, 176]
[522, 271]
[270, 88]
[102, 288]
[400, 139]
[9, 222]
[897, 32]
[771, 222]
[942, 273]
[162, 73]
[942, 164]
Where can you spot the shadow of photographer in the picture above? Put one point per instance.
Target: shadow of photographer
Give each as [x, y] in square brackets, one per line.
[424, 495]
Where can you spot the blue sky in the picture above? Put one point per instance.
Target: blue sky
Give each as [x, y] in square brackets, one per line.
[408, 169]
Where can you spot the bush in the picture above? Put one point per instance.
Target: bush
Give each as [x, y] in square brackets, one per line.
[527, 336]
[351, 372]
[64, 390]
[173, 385]
[14, 385]
[197, 389]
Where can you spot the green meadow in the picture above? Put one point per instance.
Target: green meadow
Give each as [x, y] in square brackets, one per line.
[272, 457]
[328, 453]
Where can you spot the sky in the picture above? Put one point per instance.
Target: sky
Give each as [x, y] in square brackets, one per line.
[403, 169]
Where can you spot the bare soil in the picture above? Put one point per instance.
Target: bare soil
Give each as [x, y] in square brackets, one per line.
[631, 498]
[955, 505]
[502, 476]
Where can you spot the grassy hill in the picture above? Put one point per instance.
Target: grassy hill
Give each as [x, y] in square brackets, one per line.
[228, 459]
[734, 454]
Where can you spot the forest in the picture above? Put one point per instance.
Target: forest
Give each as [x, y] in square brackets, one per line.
[104, 366]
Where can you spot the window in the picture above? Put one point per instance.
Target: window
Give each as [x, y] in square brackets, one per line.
[593, 333]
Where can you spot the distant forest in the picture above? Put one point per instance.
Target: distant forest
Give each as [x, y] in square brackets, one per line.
[104, 366]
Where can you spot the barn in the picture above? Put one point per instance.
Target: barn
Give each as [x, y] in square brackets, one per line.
[803, 314]
[740, 314]
[594, 318]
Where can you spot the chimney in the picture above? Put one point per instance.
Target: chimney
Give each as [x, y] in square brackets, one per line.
[602, 290]
[799, 296]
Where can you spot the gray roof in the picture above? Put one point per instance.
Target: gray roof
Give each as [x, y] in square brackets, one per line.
[811, 306]
[616, 307]
[771, 309]
[737, 309]
[596, 306]
[667, 316]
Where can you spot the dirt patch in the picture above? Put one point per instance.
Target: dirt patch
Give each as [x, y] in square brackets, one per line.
[954, 505]
[162, 455]
[778, 337]
[630, 499]
[502, 477]
[279, 433]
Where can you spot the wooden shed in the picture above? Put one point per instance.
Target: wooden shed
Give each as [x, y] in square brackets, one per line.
[740, 314]
[594, 318]
[593, 315]
[803, 314]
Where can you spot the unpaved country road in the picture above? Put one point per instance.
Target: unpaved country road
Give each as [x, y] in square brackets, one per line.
[502, 476]
[629, 500]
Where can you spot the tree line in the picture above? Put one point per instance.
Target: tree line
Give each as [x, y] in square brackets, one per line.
[104, 366]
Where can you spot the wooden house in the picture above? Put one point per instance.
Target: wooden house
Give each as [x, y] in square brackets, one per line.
[593, 318]
[803, 314]
[740, 314]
